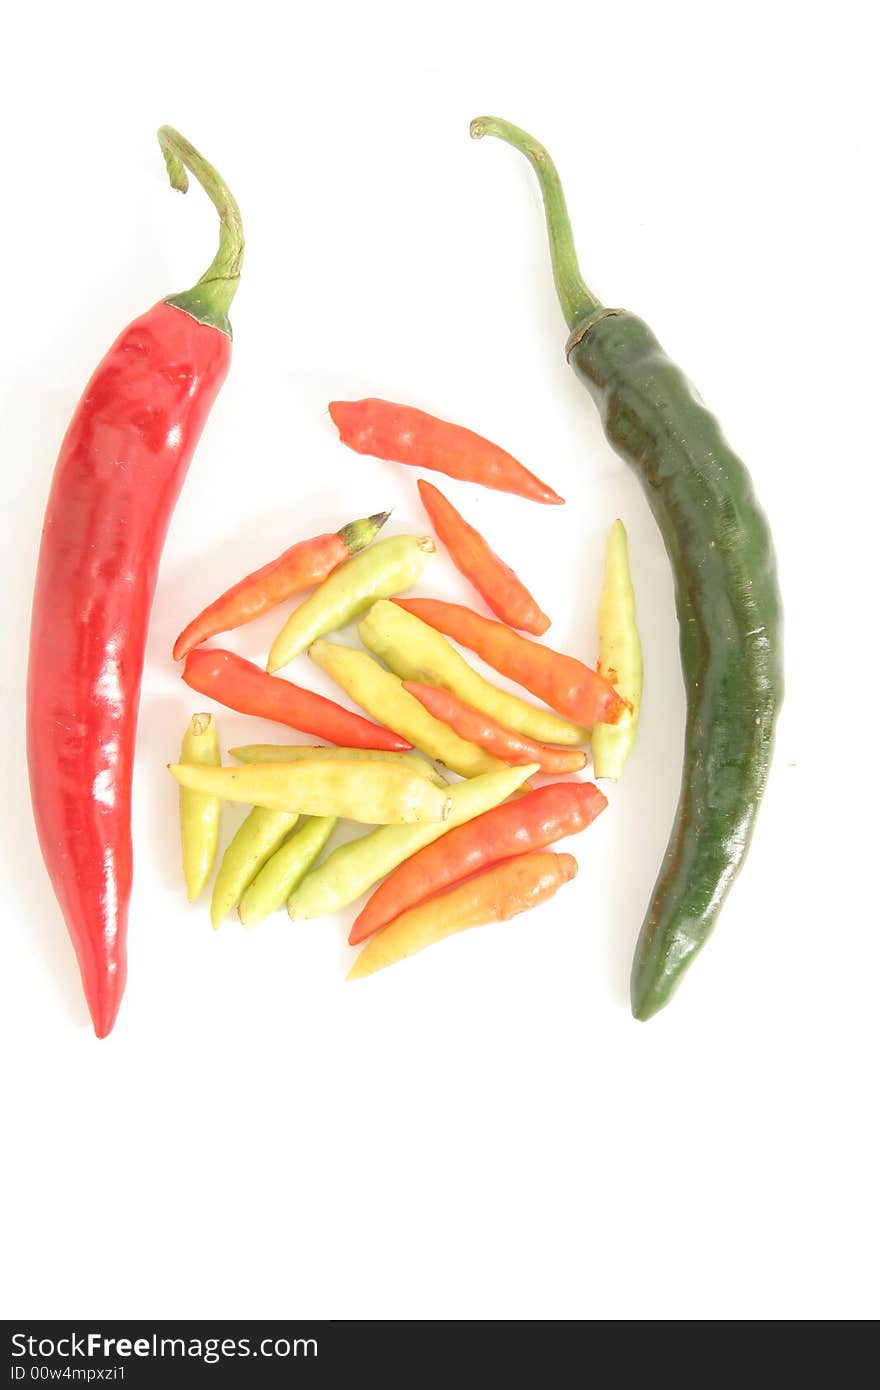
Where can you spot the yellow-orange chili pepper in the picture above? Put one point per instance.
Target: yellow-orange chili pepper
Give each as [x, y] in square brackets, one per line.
[494, 896]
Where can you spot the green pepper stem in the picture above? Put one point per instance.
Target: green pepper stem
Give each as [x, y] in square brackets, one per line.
[209, 299]
[577, 301]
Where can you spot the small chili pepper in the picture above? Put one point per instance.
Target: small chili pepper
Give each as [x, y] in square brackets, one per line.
[371, 792]
[402, 434]
[727, 595]
[294, 752]
[380, 692]
[502, 743]
[530, 823]
[561, 681]
[416, 652]
[301, 566]
[620, 657]
[496, 895]
[120, 469]
[493, 580]
[287, 868]
[242, 686]
[354, 867]
[199, 814]
[388, 568]
[260, 834]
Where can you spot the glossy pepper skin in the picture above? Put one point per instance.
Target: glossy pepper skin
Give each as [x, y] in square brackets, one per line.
[355, 866]
[502, 743]
[562, 682]
[381, 693]
[492, 577]
[390, 567]
[121, 466]
[416, 652]
[358, 789]
[496, 895]
[199, 814]
[517, 827]
[242, 686]
[403, 434]
[727, 597]
[302, 565]
[620, 656]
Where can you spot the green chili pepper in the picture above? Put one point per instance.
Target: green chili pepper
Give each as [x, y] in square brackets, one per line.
[727, 596]
[293, 752]
[387, 568]
[620, 657]
[255, 841]
[382, 695]
[353, 868]
[373, 792]
[199, 814]
[288, 866]
[417, 652]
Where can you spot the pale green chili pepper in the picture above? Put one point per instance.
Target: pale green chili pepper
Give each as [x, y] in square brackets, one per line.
[353, 868]
[417, 652]
[372, 792]
[382, 695]
[294, 752]
[199, 814]
[255, 841]
[620, 657]
[386, 568]
[288, 866]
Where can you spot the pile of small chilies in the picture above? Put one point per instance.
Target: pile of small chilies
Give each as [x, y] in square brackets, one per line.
[451, 856]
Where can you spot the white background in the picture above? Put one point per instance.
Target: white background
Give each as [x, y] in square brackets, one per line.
[483, 1132]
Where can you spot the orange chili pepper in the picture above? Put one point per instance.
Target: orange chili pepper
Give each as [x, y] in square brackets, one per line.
[561, 681]
[302, 565]
[406, 435]
[494, 580]
[494, 896]
[517, 827]
[241, 685]
[479, 728]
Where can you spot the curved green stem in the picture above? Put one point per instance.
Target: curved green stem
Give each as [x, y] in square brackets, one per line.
[577, 301]
[209, 299]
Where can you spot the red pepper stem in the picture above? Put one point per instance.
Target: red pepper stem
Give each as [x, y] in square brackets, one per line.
[578, 303]
[209, 299]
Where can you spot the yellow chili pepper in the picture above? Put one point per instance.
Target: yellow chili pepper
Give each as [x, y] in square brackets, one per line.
[288, 866]
[373, 792]
[255, 841]
[382, 695]
[199, 813]
[496, 895]
[387, 568]
[295, 752]
[417, 652]
[353, 868]
[620, 657]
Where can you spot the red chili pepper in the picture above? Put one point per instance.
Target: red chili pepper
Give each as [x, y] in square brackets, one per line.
[241, 685]
[304, 564]
[561, 681]
[528, 823]
[403, 434]
[479, 728]
[121, 466]
[493, 580]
